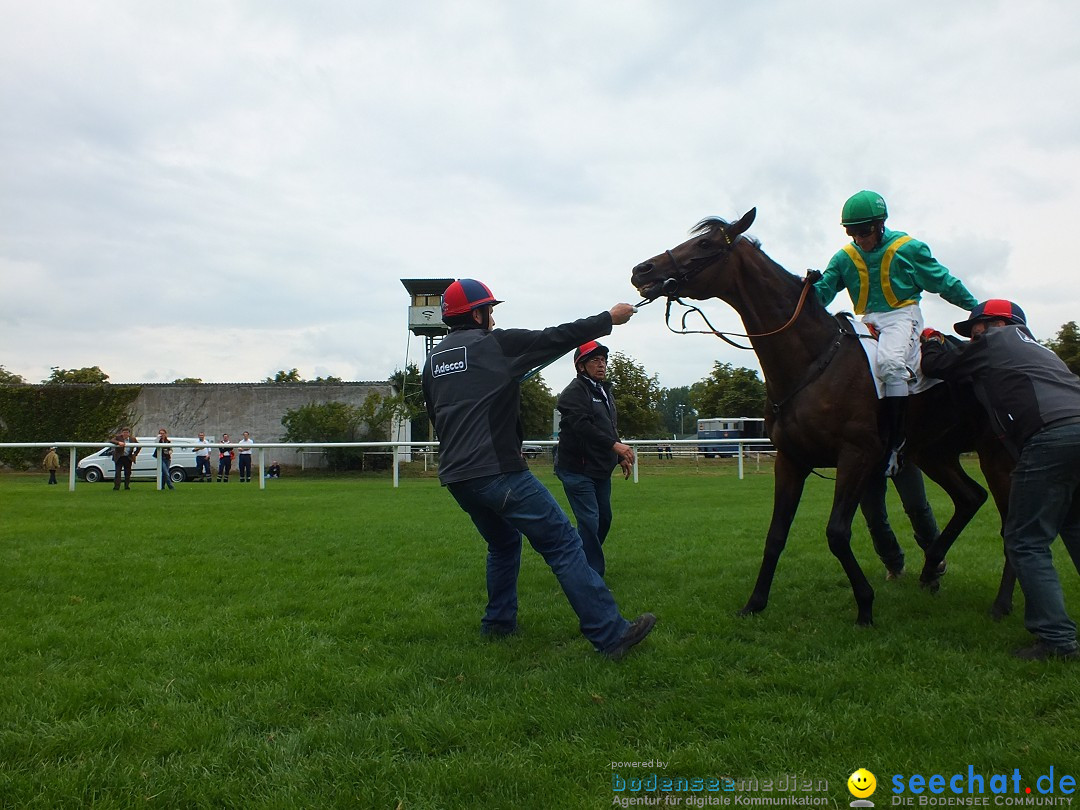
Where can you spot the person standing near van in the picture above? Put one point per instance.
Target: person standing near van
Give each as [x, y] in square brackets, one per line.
[125, 451]
[202, 459]
[224, 462]
[51, 463]
[164, 457]
[244, 459]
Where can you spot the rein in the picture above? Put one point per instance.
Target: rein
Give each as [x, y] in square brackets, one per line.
[724, 336]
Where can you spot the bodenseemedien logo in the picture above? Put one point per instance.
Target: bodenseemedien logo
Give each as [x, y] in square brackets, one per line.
[862, 785]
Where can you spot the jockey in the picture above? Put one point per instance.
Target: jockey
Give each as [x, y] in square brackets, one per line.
[885, 272]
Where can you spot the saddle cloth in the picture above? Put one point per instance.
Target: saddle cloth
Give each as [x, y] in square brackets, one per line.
[868, 341]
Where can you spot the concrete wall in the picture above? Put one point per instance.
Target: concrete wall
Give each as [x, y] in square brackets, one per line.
[232, 408]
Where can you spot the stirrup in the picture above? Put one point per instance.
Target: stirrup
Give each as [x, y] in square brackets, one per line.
[895, 462]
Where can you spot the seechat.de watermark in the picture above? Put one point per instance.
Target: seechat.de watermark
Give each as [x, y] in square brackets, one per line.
[973, 789]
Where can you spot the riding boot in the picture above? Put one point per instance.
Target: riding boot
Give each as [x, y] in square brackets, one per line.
[891, 423]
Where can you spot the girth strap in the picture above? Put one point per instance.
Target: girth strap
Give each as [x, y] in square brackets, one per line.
[843, 329]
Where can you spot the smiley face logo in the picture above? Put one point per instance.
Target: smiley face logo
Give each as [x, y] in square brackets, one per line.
[862, 783]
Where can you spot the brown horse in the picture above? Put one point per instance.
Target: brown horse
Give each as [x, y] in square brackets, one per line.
[822, 409]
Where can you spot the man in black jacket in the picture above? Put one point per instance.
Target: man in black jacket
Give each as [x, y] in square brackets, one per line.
[125, 451]
[1034, 404]
[589, 449]
[472, 391]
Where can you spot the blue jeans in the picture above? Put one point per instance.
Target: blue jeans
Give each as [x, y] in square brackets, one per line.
[202, 467]
[590, 500]
[503, 508]
[1044, 501]
[166, 478]
[909, 486]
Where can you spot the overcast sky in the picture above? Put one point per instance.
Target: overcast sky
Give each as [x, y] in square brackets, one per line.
[270, 170]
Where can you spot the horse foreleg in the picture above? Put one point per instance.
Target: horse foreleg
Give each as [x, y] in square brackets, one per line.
[997, 466]
[967, 496]
[1003, 601]
[789, 480]
[850, 479]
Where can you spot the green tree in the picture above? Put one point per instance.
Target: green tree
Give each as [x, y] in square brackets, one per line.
[341, 422]
[729, 391]
[77, 376]
[326, 380]
[537, 408]
[188, 381]
[86, 412]
[290, 376]
[411, 395]
[678, 414]
[10, 378]
[637, 397]
[1067, 346]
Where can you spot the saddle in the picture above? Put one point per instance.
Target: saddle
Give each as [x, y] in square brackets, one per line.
[868, 340]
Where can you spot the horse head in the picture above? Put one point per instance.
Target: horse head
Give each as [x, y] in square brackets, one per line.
[679, 271]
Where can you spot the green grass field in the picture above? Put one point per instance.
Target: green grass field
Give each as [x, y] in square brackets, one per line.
[317, 645]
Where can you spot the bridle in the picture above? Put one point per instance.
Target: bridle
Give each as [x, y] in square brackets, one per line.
[682, 273]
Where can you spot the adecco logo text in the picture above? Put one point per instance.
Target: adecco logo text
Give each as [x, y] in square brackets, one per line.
[450, 361]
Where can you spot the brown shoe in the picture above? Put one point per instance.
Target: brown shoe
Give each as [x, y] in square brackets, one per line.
[635, 634]
[1042, 651]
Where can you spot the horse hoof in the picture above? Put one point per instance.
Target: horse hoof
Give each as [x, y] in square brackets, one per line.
[864, 621]
[892, 576]
[748, 611]
[933, 585]
[999, 612]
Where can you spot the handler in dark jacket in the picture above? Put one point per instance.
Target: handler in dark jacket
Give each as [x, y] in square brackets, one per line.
[589, 449]
[1034, 404]
[472, 390]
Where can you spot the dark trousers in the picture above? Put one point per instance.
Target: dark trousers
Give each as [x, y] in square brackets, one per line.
[244, 464]
[909, 486]
[1044, 502]
[505, 507]
[123, 464]
[224, 465]
[590, 501]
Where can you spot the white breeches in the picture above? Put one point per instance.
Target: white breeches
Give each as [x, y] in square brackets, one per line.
[898, 347]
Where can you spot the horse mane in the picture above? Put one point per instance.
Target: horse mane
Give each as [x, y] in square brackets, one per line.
[711, 224]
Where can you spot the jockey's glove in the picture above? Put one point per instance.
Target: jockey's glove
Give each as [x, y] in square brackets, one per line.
[932, 335]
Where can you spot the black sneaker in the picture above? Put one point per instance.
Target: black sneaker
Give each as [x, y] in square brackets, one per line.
[1041, 651]
[635, 633]
[498, 630]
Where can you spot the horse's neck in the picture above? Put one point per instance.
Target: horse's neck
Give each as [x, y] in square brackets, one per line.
[766, 298]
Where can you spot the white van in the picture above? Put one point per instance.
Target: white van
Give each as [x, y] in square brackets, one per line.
[99, 466]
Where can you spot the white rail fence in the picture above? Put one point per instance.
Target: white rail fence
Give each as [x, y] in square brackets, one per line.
[399, 450]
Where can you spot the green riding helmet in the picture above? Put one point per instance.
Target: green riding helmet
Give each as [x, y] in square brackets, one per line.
[863, 207]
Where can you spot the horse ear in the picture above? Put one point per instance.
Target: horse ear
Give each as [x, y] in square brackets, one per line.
[745, 222]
